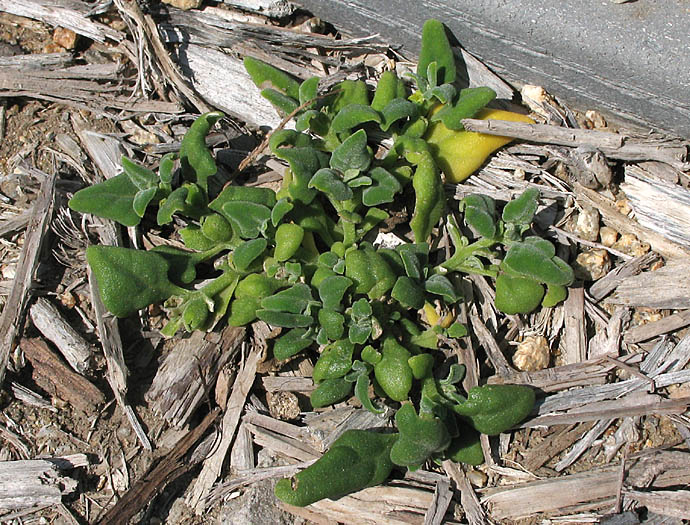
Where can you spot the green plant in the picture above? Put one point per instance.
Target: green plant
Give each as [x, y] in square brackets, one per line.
[301, 259]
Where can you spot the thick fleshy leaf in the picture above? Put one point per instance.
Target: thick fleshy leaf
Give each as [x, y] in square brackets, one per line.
[328, 392]
[264, 196]
[182, 263]
[217, 228]
[468, 104]
[267, 76]
[111, 199]
[420, 437]
[332, 324]
[327, 181]
[188, 200]
[517, 295]
[389, 88]
[480, 214]
[308, 90]
[521, 210]
[335, 361]
[443, 93]
[247, 218]
[536, 260]
[408, 293]
[165, 169]
[284, 319]
[129, 279]
[194, 239]
[247, 252]
[142, 199]
[332, 289]
[353, 153]
[283, 103]
[359, 332]
[294, 299]
[398, 109]
[436, 48]
[361, 309]
[195, 158]
[352, 116]
[292, 343]
[350, 92]
[441, 285]
[142, 178]
[281, 208]
[383, 190]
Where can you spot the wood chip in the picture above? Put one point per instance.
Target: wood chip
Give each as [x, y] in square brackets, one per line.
[213, 465]
[56, 378]
[54, 327]
[613, 145]
[156, 479]
[189, 370]
[665, 288]
[673, 322]
[37, 482]
[575, 339]
[12, 316]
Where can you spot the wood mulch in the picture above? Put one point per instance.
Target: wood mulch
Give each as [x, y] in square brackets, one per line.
[104, 421]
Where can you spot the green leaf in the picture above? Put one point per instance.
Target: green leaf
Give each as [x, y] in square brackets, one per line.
[194, 239]
[398, 109]
[408, 293]
[165, 169]
[182, 263]
[393, 372]
[333, 323]
[128, 279]
[480, 214]
[468, 104]
[389, 87]
[111, 199]
[142, 178]
[555, 293]
[444, 93]
[492, 409]
[350, 92]
[247, 218]
[187, 200]
[195, 158]
[521, 211]
[332, 289]
[283, 103]
[353, 115]
[292, 343]
[534, 258]
[142, 199]
[247, 252]
[281, 208]
[294, 299]
[359, 333]
[353, 153]
[327, 181]
[517, 295]
[328, 392]
[308, 90]
[384, 189]
[421, 365]
[370, 355]
[441, 285]
[466, 447]
[335, 361]
[361, 309]
[436, 48]
[457, 330]
[284, 319]
[232, 192]
[267, 76]
[420, 437]
[215, 227]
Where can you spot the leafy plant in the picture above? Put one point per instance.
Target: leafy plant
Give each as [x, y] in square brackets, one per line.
[301, 259]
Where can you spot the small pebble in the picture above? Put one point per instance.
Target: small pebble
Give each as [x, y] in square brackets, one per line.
[587, 225]
[183, 4]
[591, 265]
[65, 38]
[630, 245]
[608, 236]
[283, 405]
[477, 478]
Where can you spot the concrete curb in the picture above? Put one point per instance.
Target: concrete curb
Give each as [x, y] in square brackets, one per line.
[631, 60]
